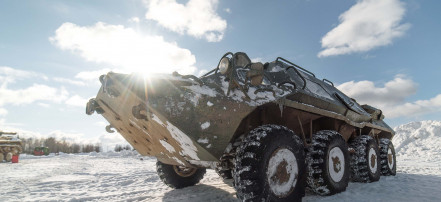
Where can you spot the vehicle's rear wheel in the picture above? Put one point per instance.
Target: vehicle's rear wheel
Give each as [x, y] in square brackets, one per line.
[365, 161]
[387, 157]
[179, 176]
[270, 165]
[2, 157]
[328, 163]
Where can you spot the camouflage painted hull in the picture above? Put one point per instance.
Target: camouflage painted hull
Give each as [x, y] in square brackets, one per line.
[181, 122]
[184, 120]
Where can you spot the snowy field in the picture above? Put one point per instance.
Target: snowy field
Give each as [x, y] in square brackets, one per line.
[124, 177]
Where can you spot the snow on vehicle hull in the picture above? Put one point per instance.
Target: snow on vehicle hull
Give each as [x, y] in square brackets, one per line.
[195, 122]
[170, 117]
[10, 146]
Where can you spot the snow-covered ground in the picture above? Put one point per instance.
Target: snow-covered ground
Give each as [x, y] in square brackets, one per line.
[124, 177]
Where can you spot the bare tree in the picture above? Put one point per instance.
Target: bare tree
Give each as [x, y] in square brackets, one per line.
[54, 145]
[97, 147]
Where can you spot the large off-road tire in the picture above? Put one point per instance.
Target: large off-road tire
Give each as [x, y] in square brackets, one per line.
[2, 157]
[270, 165]
[178, 176]
[388, 160]
[328, 163]
[365, 161]
[8, 156]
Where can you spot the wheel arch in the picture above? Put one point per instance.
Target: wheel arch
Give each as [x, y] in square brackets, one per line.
[304, 124]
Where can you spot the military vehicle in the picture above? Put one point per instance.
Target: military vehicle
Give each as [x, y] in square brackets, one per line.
[40, 151]
[274, 128]
[10, 145]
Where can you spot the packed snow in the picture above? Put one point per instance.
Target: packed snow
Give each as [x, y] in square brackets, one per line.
[209, 104]
[205, 125]
[124, 176]
[186, 144]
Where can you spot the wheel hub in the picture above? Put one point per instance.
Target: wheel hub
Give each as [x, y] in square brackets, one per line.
[282, 172]
[336, 164]
[390, 159]
[373, 160]
[281, 175]
[184, 171]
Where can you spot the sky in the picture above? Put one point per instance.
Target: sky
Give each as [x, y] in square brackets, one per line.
[385, 53]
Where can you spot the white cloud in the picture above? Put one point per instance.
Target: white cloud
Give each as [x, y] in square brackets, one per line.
[124, 48]
[108, 141]
[31, 94]
[101, 123]
[77, 101]
[202, 72]
[197, 18]
[43, 105]
[393, 92]
[16, 72]
[256, 59]
[417, 108]
[3, 112]
[391, 98]
[70, 137]
[69, 81]
[10, 75]
[228, 10]
[36, 92]
[366, 25]
[12, 127]
[92, 77]
[134, 19]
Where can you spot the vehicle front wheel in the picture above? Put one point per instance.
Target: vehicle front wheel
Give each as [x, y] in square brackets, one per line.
[179, 176]
[8, 156]
[270, 165]
[328, 163]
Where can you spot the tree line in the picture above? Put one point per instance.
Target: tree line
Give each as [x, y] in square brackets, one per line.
[119, 148]
[56, 146]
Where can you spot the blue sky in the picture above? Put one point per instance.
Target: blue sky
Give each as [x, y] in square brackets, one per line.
[382, 52]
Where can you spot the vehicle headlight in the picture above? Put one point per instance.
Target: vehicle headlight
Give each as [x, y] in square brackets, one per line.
[223, 65]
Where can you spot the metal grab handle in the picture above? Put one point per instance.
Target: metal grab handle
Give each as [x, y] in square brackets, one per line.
[330, 82]
[285, 82]
[298, 73]
[109, 129]
[206, 74]
[263, 90]
[289, 62]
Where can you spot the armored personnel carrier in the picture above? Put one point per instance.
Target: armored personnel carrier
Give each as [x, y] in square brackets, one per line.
[275, 128]
[10, 145]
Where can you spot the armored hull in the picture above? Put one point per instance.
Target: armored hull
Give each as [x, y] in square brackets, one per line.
[205, 122]
[10, 146]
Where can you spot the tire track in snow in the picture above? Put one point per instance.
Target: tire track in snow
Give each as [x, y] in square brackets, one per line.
[126, 178]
